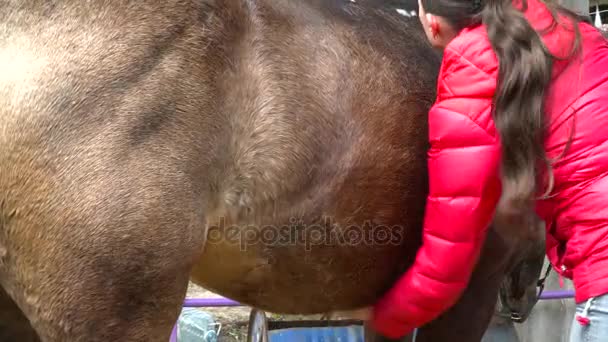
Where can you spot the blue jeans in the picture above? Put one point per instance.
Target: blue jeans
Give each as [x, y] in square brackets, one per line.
[591, 321]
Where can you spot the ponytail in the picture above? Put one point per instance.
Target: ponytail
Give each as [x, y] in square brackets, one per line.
[524, 74]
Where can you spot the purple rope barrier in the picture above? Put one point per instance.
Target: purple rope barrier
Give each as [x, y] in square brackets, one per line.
[225, 302]
[209, 302]
[560, 294]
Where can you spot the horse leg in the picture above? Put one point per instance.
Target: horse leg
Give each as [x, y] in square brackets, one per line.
[14, 326]
[512, 270]
[131, 308]
[134, 310]
[101, 277]
[468, 319]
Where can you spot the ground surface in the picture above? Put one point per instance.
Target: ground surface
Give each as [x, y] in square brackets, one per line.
[234, 320]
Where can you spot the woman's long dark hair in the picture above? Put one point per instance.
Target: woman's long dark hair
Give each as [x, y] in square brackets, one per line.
[525, 70]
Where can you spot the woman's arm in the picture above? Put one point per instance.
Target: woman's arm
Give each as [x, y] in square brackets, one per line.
[464, 188]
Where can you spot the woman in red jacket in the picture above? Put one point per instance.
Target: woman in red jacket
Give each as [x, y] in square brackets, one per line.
[520, 122]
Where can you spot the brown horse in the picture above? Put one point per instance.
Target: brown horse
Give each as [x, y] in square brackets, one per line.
[290, 134]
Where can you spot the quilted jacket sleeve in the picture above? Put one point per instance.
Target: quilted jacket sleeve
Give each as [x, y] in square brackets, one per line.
[464, 188]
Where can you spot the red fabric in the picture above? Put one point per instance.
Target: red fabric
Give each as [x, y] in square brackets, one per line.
[464, 182]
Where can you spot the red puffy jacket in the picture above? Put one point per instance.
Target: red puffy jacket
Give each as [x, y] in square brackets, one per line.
[464, 174]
